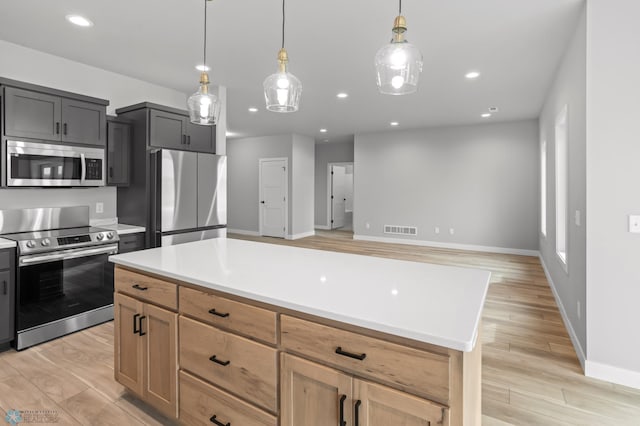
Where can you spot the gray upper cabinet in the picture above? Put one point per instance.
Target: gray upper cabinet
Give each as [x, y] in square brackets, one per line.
[118, 153]
[37, 115]
[167, 130]
[83, 122]
[201, 138]
[32, 115]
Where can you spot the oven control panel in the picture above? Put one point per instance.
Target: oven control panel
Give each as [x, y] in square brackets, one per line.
[65, 241]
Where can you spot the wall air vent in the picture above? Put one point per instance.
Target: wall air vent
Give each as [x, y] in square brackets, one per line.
[400, 230]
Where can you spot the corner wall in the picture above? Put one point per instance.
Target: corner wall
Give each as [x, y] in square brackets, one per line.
[480, 180]
[302, 169]
[569, 89]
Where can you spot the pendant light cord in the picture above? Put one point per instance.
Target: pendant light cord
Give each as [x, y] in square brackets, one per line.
[205, 35]
[283, 24]
[400, 8]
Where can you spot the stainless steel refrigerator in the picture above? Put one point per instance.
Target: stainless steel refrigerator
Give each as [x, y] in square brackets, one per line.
[188, 197]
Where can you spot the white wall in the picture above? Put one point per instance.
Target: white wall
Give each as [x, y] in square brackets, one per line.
[613, 190]
[326, 153]
[481, 180]
[302, 169]
[569, 89]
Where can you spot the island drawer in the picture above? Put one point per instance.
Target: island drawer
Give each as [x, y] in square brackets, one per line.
[146, 288]
[412, 370]
[228, 314]
[199, 402]
[234, 363]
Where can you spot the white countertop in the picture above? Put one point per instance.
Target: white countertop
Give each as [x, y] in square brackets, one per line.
[436, 304]
[123, 229]
[4, 243]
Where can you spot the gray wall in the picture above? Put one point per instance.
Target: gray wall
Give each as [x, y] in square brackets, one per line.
[327, 153]
[302, 168]
[481, 180]
[613, 189]
[243, 180]
[568, 89]
[61, 197]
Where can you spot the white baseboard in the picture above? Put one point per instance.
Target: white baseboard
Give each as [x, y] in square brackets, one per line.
[612, 374]
[437, 244]
[301, 235]
[565, 318]
[243, 232]
[323, 227]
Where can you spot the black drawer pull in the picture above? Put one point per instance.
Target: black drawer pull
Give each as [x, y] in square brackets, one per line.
[342, 422]
[64, 127]
[219, 314]
[360, 357]
[216, 422]
[217, 361]
[136, 330]
[356, 413]
[142, 333]
[138, 287]
[57, 127]
[5, 290]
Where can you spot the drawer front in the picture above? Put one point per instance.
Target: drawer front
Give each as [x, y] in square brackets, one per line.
[241, 366]
[228, 314]
[199, 402]
[146, 288]
[131, 242]
[411, 370]
[5, 259]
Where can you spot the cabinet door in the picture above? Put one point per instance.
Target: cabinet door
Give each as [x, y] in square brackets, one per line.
[201, 138]
[129, 345]
[32, 115]
[118, 153]
[84, 122]
[6, 307]
[167, 130]
[161, 364]
[313, 395]
[131, 242]
[376, 405]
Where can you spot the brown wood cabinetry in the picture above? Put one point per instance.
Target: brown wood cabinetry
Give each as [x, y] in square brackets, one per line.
[232, 351]
[146, 349]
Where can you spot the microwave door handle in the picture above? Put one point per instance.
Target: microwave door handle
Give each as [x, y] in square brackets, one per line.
[83, 168]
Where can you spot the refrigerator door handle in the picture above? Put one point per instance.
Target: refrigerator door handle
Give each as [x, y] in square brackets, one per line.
[156, 182]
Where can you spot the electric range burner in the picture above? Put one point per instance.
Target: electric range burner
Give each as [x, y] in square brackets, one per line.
[59, 239]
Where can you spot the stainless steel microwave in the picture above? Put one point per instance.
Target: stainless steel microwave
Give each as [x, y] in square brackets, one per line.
[39, 164]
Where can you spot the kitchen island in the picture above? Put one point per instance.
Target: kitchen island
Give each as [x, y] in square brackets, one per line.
[264, 334]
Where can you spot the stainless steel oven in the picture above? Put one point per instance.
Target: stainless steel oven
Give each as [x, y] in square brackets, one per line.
[64, 277]
[40, 164]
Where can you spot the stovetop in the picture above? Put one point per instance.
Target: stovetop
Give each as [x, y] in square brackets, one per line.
[59, 239]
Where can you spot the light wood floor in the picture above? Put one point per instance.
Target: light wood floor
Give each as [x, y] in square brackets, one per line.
[530, 371]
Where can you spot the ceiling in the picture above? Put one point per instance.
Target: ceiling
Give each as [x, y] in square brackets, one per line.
[516, 45]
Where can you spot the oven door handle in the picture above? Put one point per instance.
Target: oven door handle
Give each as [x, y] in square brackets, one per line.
[67, 255]
[83, 168]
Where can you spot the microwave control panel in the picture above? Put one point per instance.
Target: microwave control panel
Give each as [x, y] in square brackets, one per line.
[94, 169]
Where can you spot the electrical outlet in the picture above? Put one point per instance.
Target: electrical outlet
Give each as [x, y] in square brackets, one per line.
[452, 231]
[579, 310]
[436, 230]
[634, 224]
[367, 225]
[99, 207]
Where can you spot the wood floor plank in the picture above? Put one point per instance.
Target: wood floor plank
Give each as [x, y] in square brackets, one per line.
[90, 408]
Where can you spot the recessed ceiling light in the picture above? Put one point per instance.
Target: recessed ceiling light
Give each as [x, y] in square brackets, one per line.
[202, 68]
[394, 123]
[485, 115]
[342, 95]
[323, 130]
[253, 109]
[472, 75]
[80, 21]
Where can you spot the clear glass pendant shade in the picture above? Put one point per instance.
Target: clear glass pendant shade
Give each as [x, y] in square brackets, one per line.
[282, 90]
[398, 65]
[204, 107]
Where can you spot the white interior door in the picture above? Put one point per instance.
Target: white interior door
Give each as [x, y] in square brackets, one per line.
[338, 196]
[273, 197]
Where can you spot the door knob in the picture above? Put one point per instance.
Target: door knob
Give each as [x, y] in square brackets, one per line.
[262, 202]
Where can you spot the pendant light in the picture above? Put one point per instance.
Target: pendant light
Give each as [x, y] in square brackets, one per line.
[399, 63]
[204, 107]
[282, 90]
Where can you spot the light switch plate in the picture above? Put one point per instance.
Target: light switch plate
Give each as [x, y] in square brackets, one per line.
[634, 224]
[578, 218]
